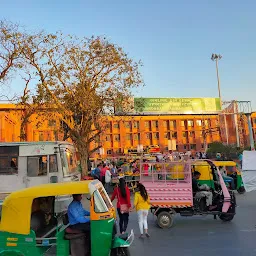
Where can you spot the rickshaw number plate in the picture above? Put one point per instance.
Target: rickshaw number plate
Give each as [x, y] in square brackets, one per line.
[28, 239]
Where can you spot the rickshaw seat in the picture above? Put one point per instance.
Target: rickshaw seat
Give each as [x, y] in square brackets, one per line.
[69, 230]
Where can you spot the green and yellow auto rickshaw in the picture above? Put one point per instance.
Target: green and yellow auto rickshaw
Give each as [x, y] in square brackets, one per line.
[232, 170]
[53, 235]
[206, 175]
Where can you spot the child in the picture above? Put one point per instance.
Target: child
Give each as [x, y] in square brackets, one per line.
[142, 205]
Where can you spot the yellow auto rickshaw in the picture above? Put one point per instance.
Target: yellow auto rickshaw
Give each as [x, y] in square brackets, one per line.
[232, 170]
[24, 233]
[207, 177]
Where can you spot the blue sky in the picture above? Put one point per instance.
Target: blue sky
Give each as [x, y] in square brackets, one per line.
[174, 39]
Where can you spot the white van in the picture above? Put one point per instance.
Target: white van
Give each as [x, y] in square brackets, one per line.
[26, 164]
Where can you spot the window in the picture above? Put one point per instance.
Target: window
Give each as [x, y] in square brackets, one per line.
[108, 125]
[69, 161]
[193, 146]
[173, 124]
[136, 124]
[190, 123]
[109, 152]
[41, 136]
[128, 125]
[37, 166]
[53, 166]
[184, 134]
[156, 135]
[147, 124]
[8, 165]
[167, 135]
[202, 146]
[182, 123]
[174, 135]
[100, 203]
[185, 147]
[116, 125]
[108, 138]
[51, 123]
[119, 151]
[199, 122]
[192, 134]
[136, 136]
[148, 136]
[117, 137]
[166, 124]
[254, 120]
[155, 124]
[128, 137]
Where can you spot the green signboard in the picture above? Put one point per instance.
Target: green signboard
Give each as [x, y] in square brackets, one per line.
[177, 105]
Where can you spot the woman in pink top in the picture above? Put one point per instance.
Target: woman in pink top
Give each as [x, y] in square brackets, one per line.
[145, 168]
[122, 193]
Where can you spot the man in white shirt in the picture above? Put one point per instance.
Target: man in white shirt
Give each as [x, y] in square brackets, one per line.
[107, 180]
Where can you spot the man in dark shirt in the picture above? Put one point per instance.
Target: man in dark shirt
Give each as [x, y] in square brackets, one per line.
[195, 185]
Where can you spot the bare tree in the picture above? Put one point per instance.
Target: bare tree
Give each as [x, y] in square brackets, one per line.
[84, 79]
[10, 49]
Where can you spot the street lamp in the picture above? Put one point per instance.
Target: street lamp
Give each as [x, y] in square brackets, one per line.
[216, 57]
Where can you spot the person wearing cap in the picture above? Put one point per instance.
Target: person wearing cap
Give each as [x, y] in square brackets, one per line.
[78, 217]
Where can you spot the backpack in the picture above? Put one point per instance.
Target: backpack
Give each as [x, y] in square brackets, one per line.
[94, 173]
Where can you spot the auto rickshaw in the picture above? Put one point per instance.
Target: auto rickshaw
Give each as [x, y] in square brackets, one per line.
[169, 197]
[54, 237]
[206, 175]
[233, 171]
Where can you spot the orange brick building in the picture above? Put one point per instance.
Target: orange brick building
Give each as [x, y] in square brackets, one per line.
[127, 132]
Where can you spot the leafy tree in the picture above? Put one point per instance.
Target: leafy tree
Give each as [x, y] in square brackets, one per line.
[83, 79]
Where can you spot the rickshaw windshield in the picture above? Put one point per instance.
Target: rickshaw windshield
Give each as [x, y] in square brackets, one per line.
[102, 202]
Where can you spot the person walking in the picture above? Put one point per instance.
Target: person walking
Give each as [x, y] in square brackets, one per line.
[122, 193]
[142, 205]
[107, 180]
[103, 173]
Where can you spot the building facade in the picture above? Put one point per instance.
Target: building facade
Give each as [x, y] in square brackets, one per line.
[190, 132]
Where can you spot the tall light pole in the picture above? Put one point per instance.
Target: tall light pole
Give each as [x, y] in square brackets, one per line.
[216, 57]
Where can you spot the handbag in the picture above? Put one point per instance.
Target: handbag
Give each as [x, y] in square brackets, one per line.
[123, 207]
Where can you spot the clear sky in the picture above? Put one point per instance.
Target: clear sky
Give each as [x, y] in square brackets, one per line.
[174, 39]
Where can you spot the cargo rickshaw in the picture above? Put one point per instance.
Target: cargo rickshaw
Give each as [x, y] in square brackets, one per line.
[21, 235]
[206, 174]
[173, 194]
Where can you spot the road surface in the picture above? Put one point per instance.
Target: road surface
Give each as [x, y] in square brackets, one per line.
[202, 236]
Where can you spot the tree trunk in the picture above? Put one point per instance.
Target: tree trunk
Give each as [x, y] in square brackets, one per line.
[23, 133]
[84, 156]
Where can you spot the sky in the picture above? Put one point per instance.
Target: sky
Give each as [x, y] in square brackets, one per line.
[174, 39]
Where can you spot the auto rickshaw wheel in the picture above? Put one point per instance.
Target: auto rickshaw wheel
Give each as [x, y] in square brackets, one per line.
[241, 190]
[230, 214]
[164, 219]
[121, 251]
[226, 217]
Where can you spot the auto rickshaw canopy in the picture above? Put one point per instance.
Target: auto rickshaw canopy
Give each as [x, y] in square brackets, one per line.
[224, 163]
[16, 208]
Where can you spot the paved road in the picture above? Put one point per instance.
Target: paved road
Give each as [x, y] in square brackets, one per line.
[202, 236]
